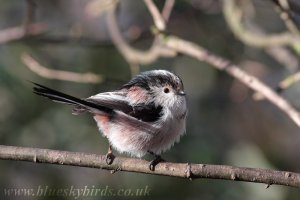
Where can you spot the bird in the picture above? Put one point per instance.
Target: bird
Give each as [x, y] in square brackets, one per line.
[145, 115]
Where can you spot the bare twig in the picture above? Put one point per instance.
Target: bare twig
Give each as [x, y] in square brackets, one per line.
[36, 67]
[131, 54]
[18, 33]
[287, 59]
[284, 8]
[273, 43]
[175, 44]
[284, 57]
[181, 170]
[233, 17]
[166, 12]
[252, 82]
[288, 82]
[157, 17]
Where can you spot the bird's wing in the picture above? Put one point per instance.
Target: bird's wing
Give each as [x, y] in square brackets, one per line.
[102, 103]
[113, 100]
[146, 112]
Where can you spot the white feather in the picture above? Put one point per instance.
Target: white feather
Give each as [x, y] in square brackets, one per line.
[130, 135]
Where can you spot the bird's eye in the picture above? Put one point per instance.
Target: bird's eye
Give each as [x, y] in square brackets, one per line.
[166, 90]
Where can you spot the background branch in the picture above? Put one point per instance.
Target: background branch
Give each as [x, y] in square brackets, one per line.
[157, 17]
[233, 16]
[45, 72]
[166, 12]
[288, 82]
[285, 14]
[131, 54]
[181, 170]
[165, 45]
[220, 63]
[18, 33]
[177, 45]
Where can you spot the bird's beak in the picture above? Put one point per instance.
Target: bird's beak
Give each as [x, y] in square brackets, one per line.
[181, 93]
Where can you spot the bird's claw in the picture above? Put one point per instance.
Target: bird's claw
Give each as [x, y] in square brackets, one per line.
[154, 162]
[109, 158]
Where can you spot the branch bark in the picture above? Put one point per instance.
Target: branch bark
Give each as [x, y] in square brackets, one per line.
[48, 73]
[133, 55]
[181, 170]
[233, 17]
[175, 45]
[201, 54]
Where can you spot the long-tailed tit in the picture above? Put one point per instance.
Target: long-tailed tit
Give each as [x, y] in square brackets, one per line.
[146, 115]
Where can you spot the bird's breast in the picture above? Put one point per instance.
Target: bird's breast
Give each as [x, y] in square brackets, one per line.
[103, 123]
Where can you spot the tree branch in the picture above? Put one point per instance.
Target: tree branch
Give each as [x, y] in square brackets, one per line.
[166, 12]
[18, 33]
[201, 54]
[285, 13]
[288, 82]
[131, 54]
[181, 170]
[177, 45]
[45, 72]
[233, 17]
[157, 17]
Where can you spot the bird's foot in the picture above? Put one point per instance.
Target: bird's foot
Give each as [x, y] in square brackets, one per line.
[109, 158]
[155, 161]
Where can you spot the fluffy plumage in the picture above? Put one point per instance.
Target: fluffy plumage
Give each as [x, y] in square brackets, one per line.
[146, 114]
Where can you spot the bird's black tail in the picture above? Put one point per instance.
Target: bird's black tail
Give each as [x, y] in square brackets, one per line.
[67, 99]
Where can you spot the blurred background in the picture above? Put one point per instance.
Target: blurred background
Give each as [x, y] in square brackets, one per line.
[225, 125]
